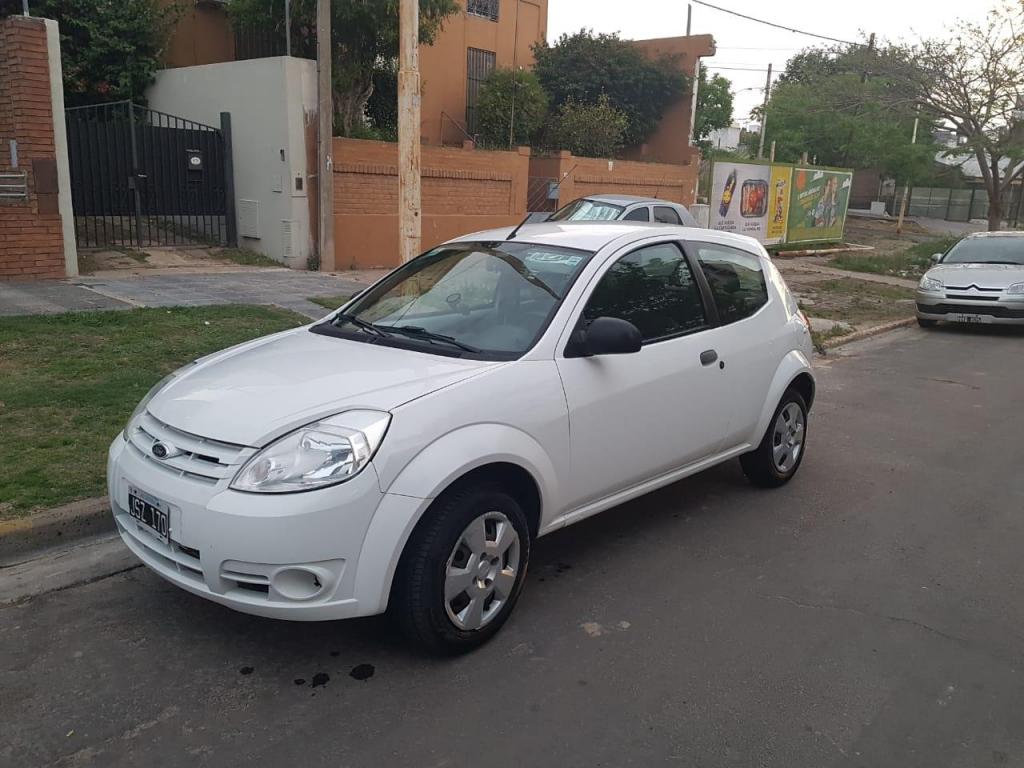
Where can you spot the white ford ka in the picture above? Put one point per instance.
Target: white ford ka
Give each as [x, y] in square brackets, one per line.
[403, 453]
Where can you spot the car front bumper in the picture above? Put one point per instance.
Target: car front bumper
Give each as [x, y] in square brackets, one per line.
[286, 556]
[941, 306]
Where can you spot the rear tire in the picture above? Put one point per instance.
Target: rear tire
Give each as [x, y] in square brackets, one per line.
[462, 570]
[926, 323]
[778, 457]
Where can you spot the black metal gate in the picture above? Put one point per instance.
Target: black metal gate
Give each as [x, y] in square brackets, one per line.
[142, 178]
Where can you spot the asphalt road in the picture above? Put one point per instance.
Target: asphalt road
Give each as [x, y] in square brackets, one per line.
[868, 614]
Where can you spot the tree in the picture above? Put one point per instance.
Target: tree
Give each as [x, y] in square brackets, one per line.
[109, 50]
[364, 38]
[714, 108]
[589, 130]
[834, 104]
[583, 66]
[508, 97]
[974, 81]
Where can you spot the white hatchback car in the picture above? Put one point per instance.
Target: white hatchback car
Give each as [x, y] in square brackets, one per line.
[404, 452]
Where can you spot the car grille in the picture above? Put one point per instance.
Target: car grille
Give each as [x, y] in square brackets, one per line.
[201, 459]
[972, 309]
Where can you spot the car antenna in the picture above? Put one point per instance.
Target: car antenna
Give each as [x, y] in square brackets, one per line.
[512, 234]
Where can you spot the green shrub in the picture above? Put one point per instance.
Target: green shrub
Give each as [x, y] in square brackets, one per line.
[589, 130]
[497, 109]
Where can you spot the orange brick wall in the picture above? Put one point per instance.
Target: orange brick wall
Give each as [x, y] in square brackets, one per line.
[463, 190]
[31, 243]
[593, 176]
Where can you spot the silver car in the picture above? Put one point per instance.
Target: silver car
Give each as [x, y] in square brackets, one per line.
[624, 208]
[979, 280]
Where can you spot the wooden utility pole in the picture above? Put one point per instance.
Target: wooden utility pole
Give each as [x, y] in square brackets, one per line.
[325, 131]
[409, 224]
[764, 112]
[906, 187]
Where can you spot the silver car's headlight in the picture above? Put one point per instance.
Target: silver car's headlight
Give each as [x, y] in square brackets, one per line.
[323, 453]
[1017, 289]
[930, 284]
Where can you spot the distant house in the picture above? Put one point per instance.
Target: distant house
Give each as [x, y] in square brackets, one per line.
[726, 138]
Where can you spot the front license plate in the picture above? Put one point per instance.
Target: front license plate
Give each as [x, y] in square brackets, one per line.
[151, 512]
[965, 318]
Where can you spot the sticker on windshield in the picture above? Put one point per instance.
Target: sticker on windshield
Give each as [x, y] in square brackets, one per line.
[555, 258]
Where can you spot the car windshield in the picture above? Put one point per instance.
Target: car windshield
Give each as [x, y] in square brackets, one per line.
[587, 210]
[480, 300]
[987, 250]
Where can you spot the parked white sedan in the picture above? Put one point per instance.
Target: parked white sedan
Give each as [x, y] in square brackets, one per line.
[979, 280]
[404, 452]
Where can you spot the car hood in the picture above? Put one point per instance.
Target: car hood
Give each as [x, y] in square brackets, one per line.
[980, 275]
[255, 392]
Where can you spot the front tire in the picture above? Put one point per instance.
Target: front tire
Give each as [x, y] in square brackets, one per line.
[778, 457]
[462, 571]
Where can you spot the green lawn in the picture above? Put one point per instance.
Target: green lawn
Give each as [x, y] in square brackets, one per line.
[910, 263]
[69, 382]
[331, 302]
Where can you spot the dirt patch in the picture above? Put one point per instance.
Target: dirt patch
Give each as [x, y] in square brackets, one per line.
[881, 235]
[124, 261]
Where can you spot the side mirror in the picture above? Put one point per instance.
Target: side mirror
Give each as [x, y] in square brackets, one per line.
[606, 336]
[936, 258]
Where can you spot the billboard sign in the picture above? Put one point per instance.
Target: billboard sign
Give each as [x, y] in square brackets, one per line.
[817, 209]
[778, 203]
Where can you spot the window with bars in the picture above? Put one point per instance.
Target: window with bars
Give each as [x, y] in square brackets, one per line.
[479, 64]
[486, 8]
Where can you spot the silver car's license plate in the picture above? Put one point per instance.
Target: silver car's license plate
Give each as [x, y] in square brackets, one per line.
[150, 512]
[961, 317]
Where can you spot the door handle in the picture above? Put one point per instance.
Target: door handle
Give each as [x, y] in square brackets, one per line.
[708, 356]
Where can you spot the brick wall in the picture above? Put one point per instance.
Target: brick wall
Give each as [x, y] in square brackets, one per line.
[462, 190]
[31, 237]
[593, 176]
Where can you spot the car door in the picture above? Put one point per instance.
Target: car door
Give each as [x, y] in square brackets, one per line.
[746, 339]
[635, 416]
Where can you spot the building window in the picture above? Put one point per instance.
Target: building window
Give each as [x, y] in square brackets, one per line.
[486, 8]
[479, 64]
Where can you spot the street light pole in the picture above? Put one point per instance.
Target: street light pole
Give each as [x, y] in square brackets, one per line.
[409, 224]
[764, 112]
[325, 131]
[906, 187]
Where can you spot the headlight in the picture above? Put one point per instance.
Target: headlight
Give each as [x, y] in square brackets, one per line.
[930, 284]
[323, 453]
[1017, 289]
[140, 409]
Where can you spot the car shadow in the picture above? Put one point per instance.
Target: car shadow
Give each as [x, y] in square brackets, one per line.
[981, 329]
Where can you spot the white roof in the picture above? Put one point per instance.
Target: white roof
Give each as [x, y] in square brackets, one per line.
[594, 235]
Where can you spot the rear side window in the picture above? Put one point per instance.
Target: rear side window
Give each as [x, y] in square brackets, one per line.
[736, 279]
[654, 289]
[638, 214]
[666, 215]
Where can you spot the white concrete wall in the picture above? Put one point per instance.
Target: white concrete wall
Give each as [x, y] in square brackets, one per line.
[60, 141]
[270, 101]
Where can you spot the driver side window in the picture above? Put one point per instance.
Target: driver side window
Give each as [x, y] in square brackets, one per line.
[654, 289]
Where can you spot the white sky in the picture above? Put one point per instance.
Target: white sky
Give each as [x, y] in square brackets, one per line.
[743, 43]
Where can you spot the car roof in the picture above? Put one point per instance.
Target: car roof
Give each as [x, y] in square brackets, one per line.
[594, 235]
[1004, 233]
[627, 199]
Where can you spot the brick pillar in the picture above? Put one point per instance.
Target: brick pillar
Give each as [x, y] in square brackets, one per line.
[32, 237]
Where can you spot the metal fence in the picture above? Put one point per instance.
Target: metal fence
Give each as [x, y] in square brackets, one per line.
[140, 177]
[957, 204]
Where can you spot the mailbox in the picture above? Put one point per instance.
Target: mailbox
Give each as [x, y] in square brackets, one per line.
[194, 159]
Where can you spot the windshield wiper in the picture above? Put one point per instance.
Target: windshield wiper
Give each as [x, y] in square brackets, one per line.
[417, 332]
[361, 324]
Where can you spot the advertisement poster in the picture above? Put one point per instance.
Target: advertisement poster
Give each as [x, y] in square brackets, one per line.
[778, 210]
[817, 209]
[740, 197]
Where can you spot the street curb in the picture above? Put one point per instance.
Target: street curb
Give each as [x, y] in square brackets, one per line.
[867, 333]
[848, 248]
[60, 525]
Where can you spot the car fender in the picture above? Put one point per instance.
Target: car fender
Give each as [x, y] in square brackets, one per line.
[791, 366]
[422, 480]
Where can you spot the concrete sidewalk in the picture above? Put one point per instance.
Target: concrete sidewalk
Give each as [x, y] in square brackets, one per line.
[280, 287]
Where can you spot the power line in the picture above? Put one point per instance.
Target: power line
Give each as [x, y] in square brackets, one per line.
[773, 24]
[735, 69]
